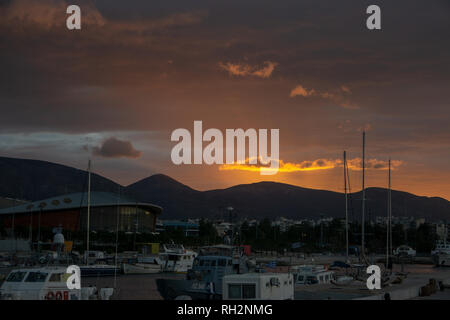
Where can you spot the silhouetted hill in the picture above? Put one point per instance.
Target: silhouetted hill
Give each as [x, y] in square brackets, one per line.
[177, 199]
[34, 180]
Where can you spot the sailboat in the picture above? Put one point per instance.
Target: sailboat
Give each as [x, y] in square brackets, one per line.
[344, 280]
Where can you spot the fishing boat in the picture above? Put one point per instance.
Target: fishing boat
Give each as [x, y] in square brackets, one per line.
[175, 258]
[258, 286]
[47, 283]
[204, 280]
[311, 274]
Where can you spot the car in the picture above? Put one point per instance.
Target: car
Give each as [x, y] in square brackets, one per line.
[405, 251]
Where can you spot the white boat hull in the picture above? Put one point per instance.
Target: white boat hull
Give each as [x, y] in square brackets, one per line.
[141, 268]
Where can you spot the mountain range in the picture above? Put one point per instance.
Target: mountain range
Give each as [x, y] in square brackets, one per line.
[35, 180]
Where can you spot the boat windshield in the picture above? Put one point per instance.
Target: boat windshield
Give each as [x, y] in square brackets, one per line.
[59, 277]
[16, 276]
[36, 277]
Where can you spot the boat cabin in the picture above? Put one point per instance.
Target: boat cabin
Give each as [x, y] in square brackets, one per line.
[310, 274]
[258, 286]
[48, 283]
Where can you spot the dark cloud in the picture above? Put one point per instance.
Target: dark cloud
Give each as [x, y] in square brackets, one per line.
[115, 148]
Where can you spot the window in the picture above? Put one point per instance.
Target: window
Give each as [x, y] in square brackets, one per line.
[230, 262]
[59, 277]
[249, 291]
[242, 291]
[16, 276]
[202, 263]
[234, 291]
[213, 263]
[36, 277]
[222, 262]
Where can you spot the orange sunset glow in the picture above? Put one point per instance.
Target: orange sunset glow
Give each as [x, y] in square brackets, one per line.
[114, 91]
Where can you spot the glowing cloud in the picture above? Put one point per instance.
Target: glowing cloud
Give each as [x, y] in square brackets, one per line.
[243, 70]
[338, 96]
[301, 91]
[315, 165]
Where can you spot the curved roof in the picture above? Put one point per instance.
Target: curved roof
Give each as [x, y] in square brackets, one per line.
[79, 200]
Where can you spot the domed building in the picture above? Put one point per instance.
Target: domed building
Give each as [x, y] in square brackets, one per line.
[70, 212]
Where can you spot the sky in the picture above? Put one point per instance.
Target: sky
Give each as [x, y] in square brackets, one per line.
[115, 90]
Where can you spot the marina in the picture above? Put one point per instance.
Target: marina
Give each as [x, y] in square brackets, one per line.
[144, 286]
[226, 270]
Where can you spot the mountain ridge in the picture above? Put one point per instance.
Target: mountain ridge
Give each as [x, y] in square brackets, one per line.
[35, 180]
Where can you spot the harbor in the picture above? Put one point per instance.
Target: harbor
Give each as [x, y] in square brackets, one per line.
[144, 287]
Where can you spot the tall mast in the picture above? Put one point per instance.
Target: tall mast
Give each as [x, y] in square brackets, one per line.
[363, 195]
[117, 239]
[390, 210]
[346, 204]
[388, 221]
[88, 209]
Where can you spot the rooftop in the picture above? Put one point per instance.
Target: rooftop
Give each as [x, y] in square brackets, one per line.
[78, 201]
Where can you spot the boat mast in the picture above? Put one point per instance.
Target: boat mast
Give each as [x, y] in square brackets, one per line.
[388, 221]
[363, 196]
[88, 209]
[346, 204]
[117, 239]
[390, 210]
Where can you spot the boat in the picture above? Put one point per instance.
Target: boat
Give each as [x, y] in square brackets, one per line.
[258, 286]
[404, 251]
[442, 260]
[204, 280]
[46, 283]
[442, 247]
[441, 253]
[175, 258]
[141, 268]
[342, 280]
[311, 274]
[99, 270]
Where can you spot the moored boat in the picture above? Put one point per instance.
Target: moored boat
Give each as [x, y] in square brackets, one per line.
[140, 268]
[46, 283]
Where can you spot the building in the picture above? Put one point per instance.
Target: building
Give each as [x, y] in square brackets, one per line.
[222, 228]
[70, 211]
[190, 229]
[10, 202]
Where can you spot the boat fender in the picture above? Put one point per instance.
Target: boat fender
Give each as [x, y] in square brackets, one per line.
[50, 295]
